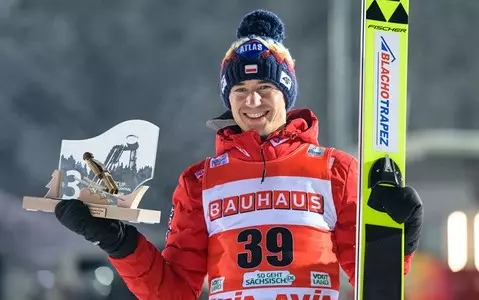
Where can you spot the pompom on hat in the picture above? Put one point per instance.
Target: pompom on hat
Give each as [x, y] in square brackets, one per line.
[258, 53]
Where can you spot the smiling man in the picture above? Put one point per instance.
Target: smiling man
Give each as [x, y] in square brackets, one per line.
[258, 105]
[271, 216]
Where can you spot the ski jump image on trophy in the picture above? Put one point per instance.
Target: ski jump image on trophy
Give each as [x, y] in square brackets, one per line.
[107, 172]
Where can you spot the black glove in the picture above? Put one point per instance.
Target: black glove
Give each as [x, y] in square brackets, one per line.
[114, 237]
[403, 205]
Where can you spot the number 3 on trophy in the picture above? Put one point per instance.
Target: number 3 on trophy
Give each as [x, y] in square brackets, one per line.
[73, 174]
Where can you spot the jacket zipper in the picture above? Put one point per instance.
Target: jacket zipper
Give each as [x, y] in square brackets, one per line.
[263, 175]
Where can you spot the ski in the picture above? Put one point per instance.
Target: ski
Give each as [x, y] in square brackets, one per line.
[381, 146]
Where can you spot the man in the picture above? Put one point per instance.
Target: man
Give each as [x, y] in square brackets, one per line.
[272, 209]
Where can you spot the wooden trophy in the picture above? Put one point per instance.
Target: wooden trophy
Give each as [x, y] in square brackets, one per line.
[113, 188]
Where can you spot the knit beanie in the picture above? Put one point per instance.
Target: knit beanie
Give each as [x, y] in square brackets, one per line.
[258, 53]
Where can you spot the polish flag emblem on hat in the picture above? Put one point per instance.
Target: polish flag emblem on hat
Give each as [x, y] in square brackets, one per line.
[251, 69]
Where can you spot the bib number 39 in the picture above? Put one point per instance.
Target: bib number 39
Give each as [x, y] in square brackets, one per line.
[278, 244]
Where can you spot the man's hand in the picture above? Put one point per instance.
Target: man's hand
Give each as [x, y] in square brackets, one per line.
[114, 237]
[403, 205]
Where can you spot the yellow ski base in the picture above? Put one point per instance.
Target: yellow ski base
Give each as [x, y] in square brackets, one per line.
[383, 107]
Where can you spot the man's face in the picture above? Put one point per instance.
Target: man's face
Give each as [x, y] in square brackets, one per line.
[258, 105]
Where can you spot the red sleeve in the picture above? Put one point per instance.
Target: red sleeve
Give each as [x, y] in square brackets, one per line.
[344, 187]
[178, 272]
[344, 172]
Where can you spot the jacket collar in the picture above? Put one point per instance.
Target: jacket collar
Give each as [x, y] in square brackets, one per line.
[301, 127]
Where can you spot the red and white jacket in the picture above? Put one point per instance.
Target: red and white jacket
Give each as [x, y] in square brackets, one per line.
[272, 219]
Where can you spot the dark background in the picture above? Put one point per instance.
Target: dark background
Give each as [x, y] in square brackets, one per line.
[72, 69]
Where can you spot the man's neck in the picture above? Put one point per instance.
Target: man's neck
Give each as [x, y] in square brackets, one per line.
[265, 136]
